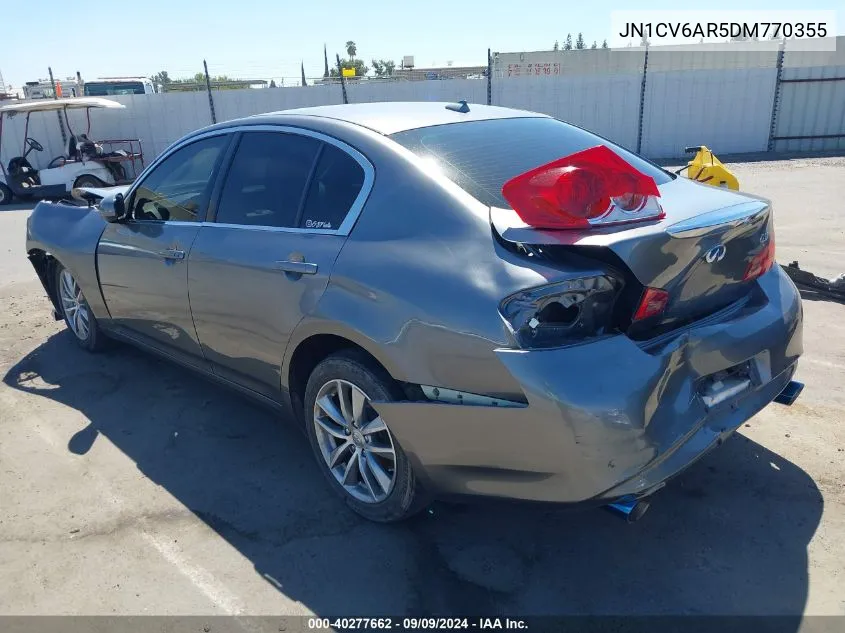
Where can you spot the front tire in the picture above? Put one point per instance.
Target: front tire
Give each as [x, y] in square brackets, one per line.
[76, 312]
[5, 194]
[353, 446]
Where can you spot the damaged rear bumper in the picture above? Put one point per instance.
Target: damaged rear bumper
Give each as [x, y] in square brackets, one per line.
[610, 418]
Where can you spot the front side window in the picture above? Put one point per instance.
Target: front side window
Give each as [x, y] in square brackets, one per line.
[267, 178]
[178, 188]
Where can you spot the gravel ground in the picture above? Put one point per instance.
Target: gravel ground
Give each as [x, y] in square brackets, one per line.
[128, 486]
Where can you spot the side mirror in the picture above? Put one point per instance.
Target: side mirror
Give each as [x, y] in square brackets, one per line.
[112, 208]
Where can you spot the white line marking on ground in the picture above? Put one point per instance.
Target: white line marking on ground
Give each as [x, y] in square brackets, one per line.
[200, 577]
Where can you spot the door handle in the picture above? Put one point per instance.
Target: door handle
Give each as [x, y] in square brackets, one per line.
[297, 268]
[173, 253]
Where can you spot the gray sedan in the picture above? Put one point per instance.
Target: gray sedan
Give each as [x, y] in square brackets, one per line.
[450, 299]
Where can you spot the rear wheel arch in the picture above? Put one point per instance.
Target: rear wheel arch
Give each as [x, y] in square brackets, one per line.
[310, 352]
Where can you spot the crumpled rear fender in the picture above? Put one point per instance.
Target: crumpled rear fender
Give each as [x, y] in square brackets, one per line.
[608, 415]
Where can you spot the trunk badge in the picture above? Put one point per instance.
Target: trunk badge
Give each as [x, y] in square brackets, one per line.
[716, 254]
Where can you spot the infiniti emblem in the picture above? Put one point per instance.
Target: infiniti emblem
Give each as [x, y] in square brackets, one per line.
[716, 254]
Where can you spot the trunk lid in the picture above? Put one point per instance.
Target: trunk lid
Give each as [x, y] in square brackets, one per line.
[699, 253]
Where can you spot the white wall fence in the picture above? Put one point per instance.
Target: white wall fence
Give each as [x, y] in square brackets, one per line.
[724, 99]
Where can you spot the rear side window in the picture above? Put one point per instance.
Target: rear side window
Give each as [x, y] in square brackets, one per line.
[481, 156]
[336, 184]
[268, 176]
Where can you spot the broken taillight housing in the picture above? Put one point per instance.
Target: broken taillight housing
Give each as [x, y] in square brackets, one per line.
[561, 312]
[762, 261]
[593, 187]
[652, 302]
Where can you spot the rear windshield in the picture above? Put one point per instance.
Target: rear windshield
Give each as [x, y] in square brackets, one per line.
[106, 89]
[481, 156]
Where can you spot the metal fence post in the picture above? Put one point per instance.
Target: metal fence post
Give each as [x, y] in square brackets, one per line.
[58, 112]
[489, 78]
[642, 103]
[774, 120]
[342, 80]
[208, 88]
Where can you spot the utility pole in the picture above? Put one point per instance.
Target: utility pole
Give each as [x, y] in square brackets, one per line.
[208, 88]
[342, 80]
[58, 112]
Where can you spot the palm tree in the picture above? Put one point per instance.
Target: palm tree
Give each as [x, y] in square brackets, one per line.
[351, 49]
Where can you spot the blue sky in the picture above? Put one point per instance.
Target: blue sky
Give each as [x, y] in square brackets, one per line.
[267, 38]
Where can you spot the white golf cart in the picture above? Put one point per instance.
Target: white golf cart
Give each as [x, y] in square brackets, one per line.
[85, 163]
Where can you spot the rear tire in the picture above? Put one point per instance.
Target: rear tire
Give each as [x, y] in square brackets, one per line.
[380, 484]
[77, 313]
[5, 194]
[88, 181]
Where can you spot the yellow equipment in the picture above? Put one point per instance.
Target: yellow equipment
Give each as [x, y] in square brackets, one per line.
[706, 168]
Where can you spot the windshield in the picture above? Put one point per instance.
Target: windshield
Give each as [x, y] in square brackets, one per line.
[106, 88]
[481, 156]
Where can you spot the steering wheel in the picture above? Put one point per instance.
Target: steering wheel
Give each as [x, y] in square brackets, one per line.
[33, 144]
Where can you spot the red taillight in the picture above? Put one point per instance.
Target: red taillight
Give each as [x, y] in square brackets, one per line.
[653, 302]
[762, 261]
[594, 187]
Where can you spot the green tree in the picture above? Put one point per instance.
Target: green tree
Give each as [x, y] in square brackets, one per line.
[594, 46]
[351, 49]
[161, 78]
[357, 64]
[567, 45]
[579, 42]
[604, 44]
[384, 67]
[557, 46]
[272, 83]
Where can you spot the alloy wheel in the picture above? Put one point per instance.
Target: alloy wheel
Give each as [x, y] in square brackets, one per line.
[74, 305]
[354, 441]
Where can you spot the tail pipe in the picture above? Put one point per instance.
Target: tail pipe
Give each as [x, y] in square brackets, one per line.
[790, 393]
[629, 508]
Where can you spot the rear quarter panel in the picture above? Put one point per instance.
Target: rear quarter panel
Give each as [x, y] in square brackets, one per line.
[70, 234]
[419, 281]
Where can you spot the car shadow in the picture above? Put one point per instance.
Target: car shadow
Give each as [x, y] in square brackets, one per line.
[729, 536]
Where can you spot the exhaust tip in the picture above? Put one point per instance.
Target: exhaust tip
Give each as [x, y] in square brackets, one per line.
[632, 510]
[790, 393]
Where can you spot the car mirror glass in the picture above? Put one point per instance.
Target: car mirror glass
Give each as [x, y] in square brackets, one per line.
[112, 208]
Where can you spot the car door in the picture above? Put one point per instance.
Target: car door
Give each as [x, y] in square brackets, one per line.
[287, 203]
[142, 261]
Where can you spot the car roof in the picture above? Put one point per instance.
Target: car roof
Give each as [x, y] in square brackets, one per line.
[398, 116]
